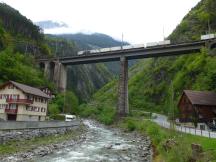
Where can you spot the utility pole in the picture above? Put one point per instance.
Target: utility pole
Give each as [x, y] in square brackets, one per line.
[163, 34]
[26, 49]
[122, 41]
[172, 111]
[64, 102]
[56, 48]
[209, 27]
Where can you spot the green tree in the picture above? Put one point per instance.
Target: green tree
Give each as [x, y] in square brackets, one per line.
[53, 109]
[71, 103]
[66, 103]
[20, 68]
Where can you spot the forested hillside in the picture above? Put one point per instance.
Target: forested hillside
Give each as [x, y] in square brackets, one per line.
[60, 46]
[90, 41]
[153, 82]
[84, 80]
[94, 41]
[20, 42]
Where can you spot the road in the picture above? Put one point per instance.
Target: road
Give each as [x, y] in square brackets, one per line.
[162, 121]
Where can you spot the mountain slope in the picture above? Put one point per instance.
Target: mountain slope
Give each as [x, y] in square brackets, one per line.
[153, 82]
[20, 41]
[24, 36]
[84, 80]
[91, 41]
[96, 40]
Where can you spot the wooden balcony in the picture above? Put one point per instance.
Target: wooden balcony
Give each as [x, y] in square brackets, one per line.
[20, 101]
[11, 111]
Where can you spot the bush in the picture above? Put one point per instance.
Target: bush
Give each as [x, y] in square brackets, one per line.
[131, 125]
[102, 112]
[87, 111]
[64, 102]
[58, 117]
[53, 109]
[107, 115]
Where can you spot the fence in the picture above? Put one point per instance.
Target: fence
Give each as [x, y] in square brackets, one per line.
[188, 130]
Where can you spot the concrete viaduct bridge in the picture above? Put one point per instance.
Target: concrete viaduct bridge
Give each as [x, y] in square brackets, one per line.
[56, 68]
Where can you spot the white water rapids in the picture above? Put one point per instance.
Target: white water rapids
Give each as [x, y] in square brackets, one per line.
[101, 145]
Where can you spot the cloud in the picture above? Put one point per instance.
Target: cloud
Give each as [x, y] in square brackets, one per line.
[140, 20]
[49, 24]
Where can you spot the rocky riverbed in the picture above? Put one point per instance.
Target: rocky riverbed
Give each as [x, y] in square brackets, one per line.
[27, 134]
[104, 144]
[98, 143]
[77, 135]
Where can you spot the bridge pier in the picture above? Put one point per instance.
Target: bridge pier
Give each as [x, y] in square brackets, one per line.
[212, 48]
[47, 70]
[123, 105]
[60, 76]
[56, 72]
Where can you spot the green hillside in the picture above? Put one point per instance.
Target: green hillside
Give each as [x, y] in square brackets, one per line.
[20, 42]
[152, 82]
[94, 41]
[84, 80]
[90, 41]
[60, 46]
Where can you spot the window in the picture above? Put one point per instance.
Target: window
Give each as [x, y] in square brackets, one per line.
[43, 109]
[13, 106]
[36, 109]
[29, 108]
[33, 108]
[15, 97]
[30, 97]
[10, 86]
[3, 106]
[202, 127]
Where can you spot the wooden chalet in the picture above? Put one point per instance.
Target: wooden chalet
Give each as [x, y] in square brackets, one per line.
[197, 105]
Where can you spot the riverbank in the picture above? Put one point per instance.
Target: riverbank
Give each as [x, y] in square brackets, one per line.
[23, 150]
[170, 145]
[104, 143]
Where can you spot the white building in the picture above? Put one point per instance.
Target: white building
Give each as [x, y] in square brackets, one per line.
[20, 102]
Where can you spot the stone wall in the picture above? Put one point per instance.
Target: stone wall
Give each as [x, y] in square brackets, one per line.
[25, 134]
[15, 125]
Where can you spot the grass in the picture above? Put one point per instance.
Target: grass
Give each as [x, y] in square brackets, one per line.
[22, 146]
[139, 121]
[181, 152]
[101, 112]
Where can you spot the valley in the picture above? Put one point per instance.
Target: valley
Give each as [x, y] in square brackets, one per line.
[120, 92]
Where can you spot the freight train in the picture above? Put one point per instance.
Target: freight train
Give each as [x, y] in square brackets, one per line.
[137, 46]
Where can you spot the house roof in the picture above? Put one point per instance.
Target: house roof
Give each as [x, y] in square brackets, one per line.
[201, 97]
[27, 89]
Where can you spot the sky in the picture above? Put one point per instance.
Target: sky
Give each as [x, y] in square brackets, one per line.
[140, 21]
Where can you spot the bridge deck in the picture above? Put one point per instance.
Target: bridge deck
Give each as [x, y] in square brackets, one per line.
[135, 53]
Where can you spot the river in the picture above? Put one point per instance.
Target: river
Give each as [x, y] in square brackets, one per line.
[103, 144]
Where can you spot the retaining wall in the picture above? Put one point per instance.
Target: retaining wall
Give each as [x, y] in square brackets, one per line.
[13, 125]
[18, 131]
